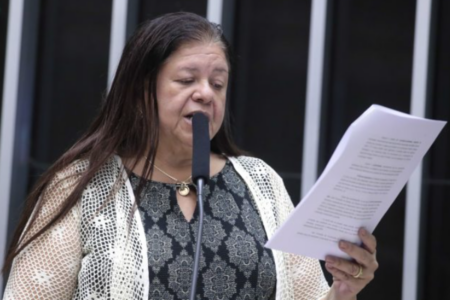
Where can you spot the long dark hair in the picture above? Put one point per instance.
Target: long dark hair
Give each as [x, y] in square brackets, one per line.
[127, 124]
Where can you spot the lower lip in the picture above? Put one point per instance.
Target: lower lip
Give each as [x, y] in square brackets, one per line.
[189, 120]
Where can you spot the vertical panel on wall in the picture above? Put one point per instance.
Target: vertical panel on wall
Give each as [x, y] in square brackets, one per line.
[72, 73]
[150, 9]
[313, 107]
[70, 78]
[414, 213]
[214, 11]
[4, 4]
[268, 94]
[119, 21]
[435, 270]
[369, 60]
[13, 102]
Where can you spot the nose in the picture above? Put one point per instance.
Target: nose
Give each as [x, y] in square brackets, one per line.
[203, 93]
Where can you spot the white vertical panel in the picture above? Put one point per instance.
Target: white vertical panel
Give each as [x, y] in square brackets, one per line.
[214, 11]
[414, 188]
[118, 36]
[9, 113]
[313, 94]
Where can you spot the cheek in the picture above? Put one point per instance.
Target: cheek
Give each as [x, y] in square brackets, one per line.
[170, 104]
[168, 114]
[219, 115]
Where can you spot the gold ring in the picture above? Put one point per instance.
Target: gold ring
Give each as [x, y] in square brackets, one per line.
[360, 272]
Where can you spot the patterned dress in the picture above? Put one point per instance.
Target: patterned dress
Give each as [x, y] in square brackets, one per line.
[234, 263]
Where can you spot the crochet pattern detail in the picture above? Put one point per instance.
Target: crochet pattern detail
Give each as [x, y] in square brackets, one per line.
[96, 252]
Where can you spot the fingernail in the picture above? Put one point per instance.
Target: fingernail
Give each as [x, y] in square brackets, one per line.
[363, 231]
[330, 259]
[343, 245]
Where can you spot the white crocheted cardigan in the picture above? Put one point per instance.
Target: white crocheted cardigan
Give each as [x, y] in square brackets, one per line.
[96, 252]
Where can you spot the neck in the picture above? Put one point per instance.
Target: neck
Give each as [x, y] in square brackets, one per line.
[175, 166]
[173, 163]
[176, 161]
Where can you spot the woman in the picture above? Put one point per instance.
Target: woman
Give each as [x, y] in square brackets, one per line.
[115, 217]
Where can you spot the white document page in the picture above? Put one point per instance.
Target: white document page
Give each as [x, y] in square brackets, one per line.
[367, 171]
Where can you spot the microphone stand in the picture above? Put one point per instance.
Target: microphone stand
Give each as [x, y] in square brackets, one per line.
[200, 183]
[200, 174]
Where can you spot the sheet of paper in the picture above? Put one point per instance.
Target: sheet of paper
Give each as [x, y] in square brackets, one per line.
[367, 171]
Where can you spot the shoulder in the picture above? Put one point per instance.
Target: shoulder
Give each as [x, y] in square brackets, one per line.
[66, 179]
[252, 164]
[99, 188]
[79, 166]
[254, 167]
[266, 187]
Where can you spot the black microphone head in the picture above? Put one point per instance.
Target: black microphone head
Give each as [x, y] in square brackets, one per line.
[201, 147]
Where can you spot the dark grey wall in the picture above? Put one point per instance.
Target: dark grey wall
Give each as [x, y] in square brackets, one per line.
[368, 60]
[267, 98]
[435, 269]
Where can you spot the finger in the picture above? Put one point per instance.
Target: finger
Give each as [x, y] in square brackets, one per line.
[343, 265]
[361, 255]
[338, 274]
[368, 239]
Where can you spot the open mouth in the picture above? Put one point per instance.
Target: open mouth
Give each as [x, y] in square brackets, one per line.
[188, 117]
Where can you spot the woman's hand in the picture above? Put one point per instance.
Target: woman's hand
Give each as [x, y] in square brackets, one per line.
[350, 277]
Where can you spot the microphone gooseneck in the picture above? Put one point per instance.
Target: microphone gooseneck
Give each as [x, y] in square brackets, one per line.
[200, 176]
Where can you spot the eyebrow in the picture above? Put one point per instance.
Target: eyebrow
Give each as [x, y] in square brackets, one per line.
[194, 69]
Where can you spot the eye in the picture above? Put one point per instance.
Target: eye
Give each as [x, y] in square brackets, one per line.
[186, 81]
[217, 85]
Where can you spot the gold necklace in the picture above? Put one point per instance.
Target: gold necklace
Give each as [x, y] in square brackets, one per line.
[182, 186]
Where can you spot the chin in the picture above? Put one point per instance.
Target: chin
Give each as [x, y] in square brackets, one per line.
[187, 143]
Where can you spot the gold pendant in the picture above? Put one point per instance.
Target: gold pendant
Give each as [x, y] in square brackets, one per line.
[183, 189]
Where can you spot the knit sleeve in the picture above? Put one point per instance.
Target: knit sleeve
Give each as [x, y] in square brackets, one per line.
[47, 268]
[306, 273]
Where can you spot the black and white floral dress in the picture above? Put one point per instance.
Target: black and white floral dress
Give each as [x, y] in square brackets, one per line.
[234, 263]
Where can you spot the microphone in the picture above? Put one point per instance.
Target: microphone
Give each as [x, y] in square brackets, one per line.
[200, 175]
[202, 147]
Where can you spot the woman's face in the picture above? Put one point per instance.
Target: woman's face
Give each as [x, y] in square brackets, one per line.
[193, 79]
